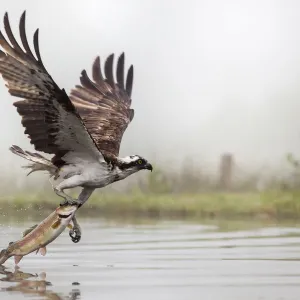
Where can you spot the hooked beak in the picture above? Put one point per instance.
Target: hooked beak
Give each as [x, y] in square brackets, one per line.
[148, 167]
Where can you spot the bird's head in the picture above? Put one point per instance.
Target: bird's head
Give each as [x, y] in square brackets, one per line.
[134, 163]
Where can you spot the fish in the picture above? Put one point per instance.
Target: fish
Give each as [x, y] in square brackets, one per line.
[39, 236]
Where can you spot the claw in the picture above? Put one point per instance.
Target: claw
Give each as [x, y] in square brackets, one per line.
[75, 235]
[63, 203]
[69, 201]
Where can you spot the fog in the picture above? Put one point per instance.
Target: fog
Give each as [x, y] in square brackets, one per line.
[210, 76]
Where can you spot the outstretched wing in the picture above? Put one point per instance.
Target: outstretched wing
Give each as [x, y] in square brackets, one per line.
[49, 117]
[104, 105]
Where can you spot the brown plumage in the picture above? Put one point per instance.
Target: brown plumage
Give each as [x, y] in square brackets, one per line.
[104, 104]
[93, 119]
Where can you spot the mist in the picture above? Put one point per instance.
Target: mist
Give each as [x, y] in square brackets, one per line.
[210, 76]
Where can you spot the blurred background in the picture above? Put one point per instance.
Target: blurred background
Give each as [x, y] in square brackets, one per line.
[216, 89]
[217, 99]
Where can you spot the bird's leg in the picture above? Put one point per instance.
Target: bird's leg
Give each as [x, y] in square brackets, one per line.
[68, 200]
[85, 195]
[60, 193]
[71, 182]
[75, 232]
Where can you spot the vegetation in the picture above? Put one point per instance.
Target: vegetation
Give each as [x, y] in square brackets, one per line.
[185, 194]
[274, 205]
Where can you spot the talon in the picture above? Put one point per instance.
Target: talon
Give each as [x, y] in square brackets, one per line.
[70, 202]
[63, 203]
[75, 235]
[74, 202]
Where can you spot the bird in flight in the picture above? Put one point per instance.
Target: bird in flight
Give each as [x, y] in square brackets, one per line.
[82, 130]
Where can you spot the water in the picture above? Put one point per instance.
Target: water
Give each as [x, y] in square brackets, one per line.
[164, 260]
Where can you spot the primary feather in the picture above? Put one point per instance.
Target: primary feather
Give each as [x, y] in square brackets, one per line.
[104, 105]
[48, 115]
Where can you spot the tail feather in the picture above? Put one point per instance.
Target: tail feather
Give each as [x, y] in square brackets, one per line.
[40, 163]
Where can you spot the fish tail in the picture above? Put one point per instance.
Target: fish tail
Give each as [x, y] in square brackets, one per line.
[4, 256]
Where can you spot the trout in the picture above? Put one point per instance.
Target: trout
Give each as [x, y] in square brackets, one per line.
[39, 236]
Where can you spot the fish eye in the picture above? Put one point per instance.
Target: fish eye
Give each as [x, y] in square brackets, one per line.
[140, 161]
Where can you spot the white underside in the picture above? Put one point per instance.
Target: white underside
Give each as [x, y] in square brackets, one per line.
[81, 170]
[94, 175]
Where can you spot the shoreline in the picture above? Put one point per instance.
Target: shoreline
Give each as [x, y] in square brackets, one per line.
[270, 205]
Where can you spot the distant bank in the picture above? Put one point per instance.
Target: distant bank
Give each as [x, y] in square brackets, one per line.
[264, 205]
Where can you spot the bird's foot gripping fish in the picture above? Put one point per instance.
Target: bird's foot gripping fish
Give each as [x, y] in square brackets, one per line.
[39, 236]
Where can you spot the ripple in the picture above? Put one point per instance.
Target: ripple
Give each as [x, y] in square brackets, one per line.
[171, 258]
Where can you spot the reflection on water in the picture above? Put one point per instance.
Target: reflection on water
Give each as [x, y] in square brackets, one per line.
[165, 260]
[32, 287]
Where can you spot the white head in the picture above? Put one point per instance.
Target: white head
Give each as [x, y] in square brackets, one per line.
[132, 164]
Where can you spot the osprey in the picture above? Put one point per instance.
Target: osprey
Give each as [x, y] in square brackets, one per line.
[83, 130]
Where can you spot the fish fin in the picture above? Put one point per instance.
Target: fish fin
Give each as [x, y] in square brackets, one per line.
[27, 231]
[43, 251]
[18, 258]
[70, 226]
[56, 224]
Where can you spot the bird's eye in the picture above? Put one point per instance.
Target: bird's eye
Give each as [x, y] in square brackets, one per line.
[140, 161]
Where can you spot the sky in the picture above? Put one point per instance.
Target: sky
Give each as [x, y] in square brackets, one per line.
[211, 76]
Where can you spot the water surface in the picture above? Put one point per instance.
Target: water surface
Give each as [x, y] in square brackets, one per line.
[162, 260]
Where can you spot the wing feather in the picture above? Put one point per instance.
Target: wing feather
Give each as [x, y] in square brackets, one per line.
[104, 105]
[129, 81]
[108, 70]
[97, 74]
[120, 70]
[24, 37]
[48, 115]
[10, 34]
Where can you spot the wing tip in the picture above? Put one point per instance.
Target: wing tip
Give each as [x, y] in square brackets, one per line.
[108, 69]
[36, 33]
[96, 70]
[23, 17]
[6, 20]
[120, 69]
[129, 81]
[109, 60]
[110, 56]
[83, 72]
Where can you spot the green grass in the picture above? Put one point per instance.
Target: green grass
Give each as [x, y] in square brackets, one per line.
[266, 205]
